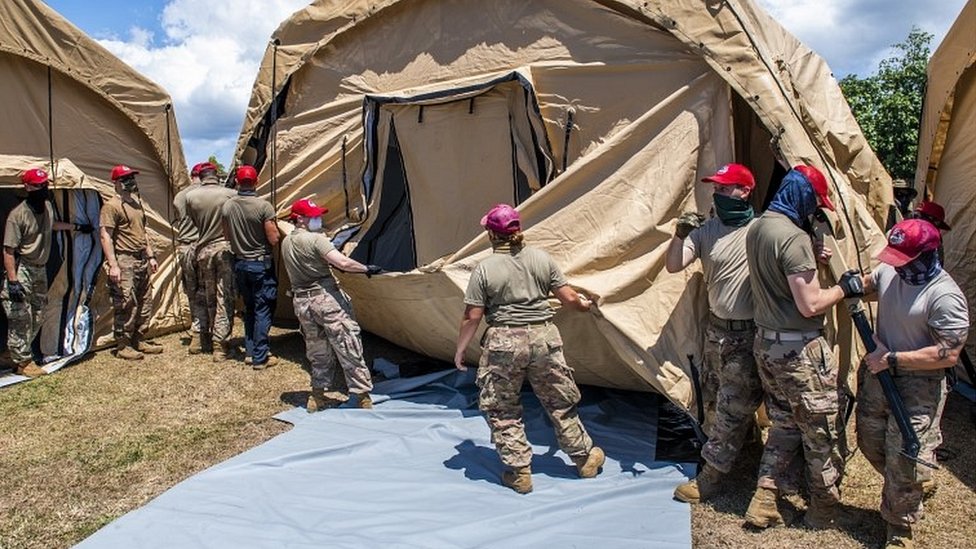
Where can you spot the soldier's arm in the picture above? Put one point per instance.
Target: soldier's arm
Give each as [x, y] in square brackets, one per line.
[271, 232]
[10, 263]
[810, 299]
[469, 326]
[343, 263]
[943, 354]
[678, 257]
[108, 248]
[570, 298]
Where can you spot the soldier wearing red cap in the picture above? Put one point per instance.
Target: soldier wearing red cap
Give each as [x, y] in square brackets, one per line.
[130, 262]
[332, 340]
[511, 288]
[215, 262]
[932, 212]
[186, 240]
[731, 387]
[250, 227]
[923, 321]
[798, 373]
[27, 241]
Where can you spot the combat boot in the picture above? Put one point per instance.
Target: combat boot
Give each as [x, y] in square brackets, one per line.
[221, 352]
[272, 360]
[318, 401]
[700, 488]
[128, 353]
[196, 344]
[929, 487]
[821, 513]
[762, 512]
[589, 466]
[29, 369]
[899, 537]
[518, 479]
[148, 347]
[365, 401]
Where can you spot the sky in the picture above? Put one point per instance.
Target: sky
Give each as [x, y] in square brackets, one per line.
[206, 53]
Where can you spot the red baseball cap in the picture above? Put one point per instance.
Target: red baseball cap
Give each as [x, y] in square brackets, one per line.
[204, 166]
[732, 174]
[933, 213]
[909, 239]
[34, 176]
[195, 170]
[306, 208]
[247, 173]
[121, 171]
[502, 219]
[819, 184]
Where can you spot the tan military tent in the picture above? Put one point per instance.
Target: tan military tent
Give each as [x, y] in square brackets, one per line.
[68, 102]
[409, 119]
[947, 149]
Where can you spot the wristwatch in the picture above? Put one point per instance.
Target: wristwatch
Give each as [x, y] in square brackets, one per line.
[892, 360]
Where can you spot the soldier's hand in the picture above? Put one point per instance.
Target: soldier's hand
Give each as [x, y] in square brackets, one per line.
[822, 252]
[459, 361]
[852, 284]
[84, 228]
[16, 291]
[687, 222]
[115, 274]
[373, 270]
[877, 361]
[153, 265]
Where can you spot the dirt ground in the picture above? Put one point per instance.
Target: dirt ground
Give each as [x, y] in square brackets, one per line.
[102, 437]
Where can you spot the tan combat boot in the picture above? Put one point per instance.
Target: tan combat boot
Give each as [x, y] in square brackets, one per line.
[700, 488]
[365, 401]
[318, 401]
[590, 466]
[762, 512]
[29, 369]
[518, 479]
[196, 344]
[148, 347]
[128, 353]
[221, 352]
[899, 537]
[272, 360]
[929, 487]
[821, 513]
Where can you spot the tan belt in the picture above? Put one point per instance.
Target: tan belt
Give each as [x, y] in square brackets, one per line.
[308, 293]
[773, 335]
[542, 324]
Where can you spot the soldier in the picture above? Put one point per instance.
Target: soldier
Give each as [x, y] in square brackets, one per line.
[26, 248]
[932, 212]
[186, 239]
[731, 386]
[512, 286]
[923, 320]
[130, 261]
[215, 269]
[250, 227]
[798, 373]
[331, 334]
[904, 193]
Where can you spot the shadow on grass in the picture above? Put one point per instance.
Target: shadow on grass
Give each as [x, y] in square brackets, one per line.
[959, 436]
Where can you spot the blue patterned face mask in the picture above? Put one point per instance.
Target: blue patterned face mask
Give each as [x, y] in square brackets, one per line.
[315, 224]
[920, 270]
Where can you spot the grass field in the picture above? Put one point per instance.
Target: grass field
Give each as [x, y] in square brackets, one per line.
[83, 446]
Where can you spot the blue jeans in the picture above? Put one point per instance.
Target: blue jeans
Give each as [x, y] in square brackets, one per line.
[259, 288]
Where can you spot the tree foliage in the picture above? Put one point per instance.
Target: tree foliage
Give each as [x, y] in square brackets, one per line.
[221, 170]
[888, 104]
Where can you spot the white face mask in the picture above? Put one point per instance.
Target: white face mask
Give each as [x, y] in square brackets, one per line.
[315, 224]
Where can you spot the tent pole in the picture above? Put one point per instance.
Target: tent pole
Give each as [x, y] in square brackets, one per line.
[345, 190]
[569, 130]
[50, 124]
[274, 123]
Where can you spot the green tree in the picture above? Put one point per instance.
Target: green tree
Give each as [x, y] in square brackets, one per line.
[221, 170]
[888, 104]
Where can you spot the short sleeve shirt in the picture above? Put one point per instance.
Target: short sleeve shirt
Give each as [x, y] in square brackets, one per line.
[514, 285]
[29, 234]
[908, 314]
[776, 249]
[126, 222]
[303, 254]
[722, 251]
[203, 205]
[187, 233]
[245, 216]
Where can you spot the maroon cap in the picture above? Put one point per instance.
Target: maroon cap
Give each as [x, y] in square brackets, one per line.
[34, 176]
[195, 170]
[306, 208]
[502, 219]
[204, 166]
[819, 184]
[909, 239]
[933, 213]
[247, 173]
[121, 171]
[732, 174]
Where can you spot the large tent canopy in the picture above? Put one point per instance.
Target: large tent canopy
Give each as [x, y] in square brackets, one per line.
[409, 118]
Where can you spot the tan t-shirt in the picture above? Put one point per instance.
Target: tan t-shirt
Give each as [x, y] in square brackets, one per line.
[187, 232]
[303, 254]
[722, 250]
[245, 216]
[776, 249]
[29, 234]
[513, 286]
[126, 222]
[203, 205]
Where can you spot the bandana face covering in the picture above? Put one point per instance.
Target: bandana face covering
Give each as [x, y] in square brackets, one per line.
[920, 270]
[36, 199]
[734, 212]
[795, 199]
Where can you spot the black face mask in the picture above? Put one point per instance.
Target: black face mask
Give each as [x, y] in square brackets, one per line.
[37, 198]
[129, 184]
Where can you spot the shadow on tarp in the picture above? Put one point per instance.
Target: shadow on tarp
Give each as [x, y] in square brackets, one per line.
[419, 470]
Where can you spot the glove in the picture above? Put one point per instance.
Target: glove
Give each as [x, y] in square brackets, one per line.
[688, 222]
[373, 270]
[16, 291]
[84, 228]
[852, 284]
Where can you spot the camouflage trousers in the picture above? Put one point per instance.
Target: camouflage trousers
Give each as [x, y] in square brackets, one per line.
[803, 403]
[193, 288]
[509, 356]
[878, 437]
[332, 341]
[24, 318]
[215, 271]
[131, 299]
[734, 390]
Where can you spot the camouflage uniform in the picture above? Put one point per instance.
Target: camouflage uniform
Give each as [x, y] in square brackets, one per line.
[215, 269]
[24, 318]
[510, 355]
[131, 297]
[332, 339]
[192, 287]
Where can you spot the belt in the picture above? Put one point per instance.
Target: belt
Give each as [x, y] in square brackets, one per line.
[773, 335]
[732, 325]
[141, 254]
[261, 259]
[526, 325]
[308, 293]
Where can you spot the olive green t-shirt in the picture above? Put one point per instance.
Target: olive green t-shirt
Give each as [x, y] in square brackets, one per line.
[203, 205]
[513, 286]
[29, 234]
[303, 254]
[776, 249]
[187, 232]
[245, 217]
[722, 251]
[126, 222]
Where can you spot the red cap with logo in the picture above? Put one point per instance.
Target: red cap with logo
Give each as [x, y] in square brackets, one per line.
[502, 219]
[819, 184]
[934, 213]
[306, 208]
[247, 173]
[34, 176]
[121, 171]
[732, 174]
[909, 239]
[195, 170]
